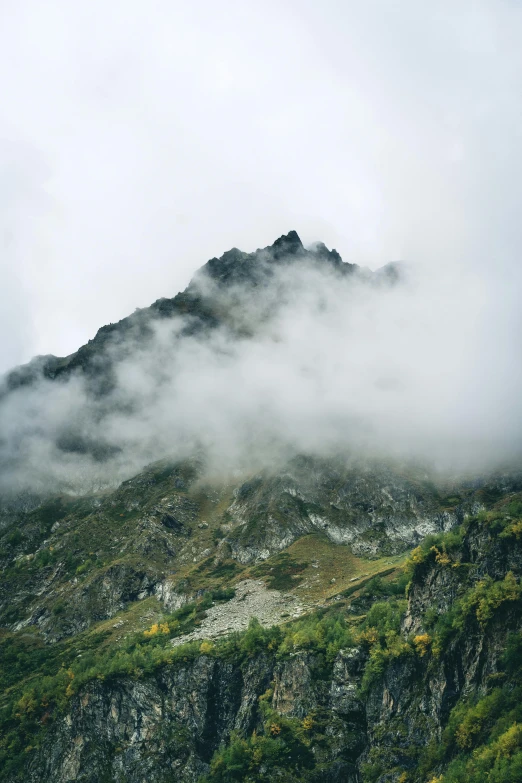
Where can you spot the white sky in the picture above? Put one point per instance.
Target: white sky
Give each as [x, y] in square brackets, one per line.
[140, 138]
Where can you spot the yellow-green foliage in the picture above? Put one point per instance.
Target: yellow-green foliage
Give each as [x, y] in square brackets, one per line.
[483, 738]
[441, 555]
[475, 718]
[487, 596]
[380, 632]
[442, 549]
[481, 601]
[328, 634]
[505, 746]
[157, 628]
[505, 519]
[422, 643]
[280, 751]
[500, 761]
[381, 654]
[513, 529]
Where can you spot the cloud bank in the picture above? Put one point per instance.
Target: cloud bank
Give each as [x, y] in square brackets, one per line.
[309, 362]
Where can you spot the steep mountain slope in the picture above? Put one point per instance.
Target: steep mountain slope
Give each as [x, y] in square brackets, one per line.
[242, 609]
[169, 534]
[90, 420]
[204, 310]
[360, 691]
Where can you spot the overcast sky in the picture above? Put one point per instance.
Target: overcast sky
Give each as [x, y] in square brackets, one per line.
[138, 139]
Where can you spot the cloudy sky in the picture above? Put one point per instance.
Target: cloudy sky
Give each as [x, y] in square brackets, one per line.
[138, 139]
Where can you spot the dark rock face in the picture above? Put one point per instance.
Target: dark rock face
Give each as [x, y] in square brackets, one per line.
[371, 507]
[247, 269]
[409, 707]
[103, 553]
[171, 723]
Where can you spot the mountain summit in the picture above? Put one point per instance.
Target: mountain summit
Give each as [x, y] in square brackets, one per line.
[216, 568]
[233, 268]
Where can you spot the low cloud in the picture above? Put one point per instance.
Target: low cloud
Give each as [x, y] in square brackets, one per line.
[309, 362]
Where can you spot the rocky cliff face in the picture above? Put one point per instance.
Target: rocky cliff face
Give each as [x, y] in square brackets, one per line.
[373, 507]
[463, 608]
[70, 562]
[380, 709]
[170, 725]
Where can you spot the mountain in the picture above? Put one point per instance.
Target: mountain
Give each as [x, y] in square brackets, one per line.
[234, 268]
[62, 418]
[228, 605]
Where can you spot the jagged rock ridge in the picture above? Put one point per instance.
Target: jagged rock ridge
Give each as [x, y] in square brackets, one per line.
[234, 267]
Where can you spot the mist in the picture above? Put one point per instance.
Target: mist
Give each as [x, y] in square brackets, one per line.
[317, 363]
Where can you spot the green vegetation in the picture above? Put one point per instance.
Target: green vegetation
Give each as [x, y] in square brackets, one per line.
[485, 597]
[37, 680]
[283, 572]
[478, 601]
[380, 633]
[282, 751]
[504, 517]
[482, 738]
[482, 742]
[378, 586]
[207, 573]
[442, 548]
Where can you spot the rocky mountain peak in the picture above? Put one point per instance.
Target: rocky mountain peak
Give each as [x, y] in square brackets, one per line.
[287, 244]
[235, 267]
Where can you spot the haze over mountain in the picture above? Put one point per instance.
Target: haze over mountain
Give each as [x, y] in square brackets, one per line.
[266, 355]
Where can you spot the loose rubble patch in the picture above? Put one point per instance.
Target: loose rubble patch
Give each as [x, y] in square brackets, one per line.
[252, 599]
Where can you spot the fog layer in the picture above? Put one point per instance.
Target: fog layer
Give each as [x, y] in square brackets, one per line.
[309, 361]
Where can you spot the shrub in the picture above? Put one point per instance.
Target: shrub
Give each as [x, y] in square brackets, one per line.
[280, 752]
[385, 616]
[327, 634]
[513, 530]
[157, 628]
[422, 644]
[83, 567]
[440, 548]
[15, 538]
[377, 586]
[381, 632]
[486, 597]
[223, 594]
